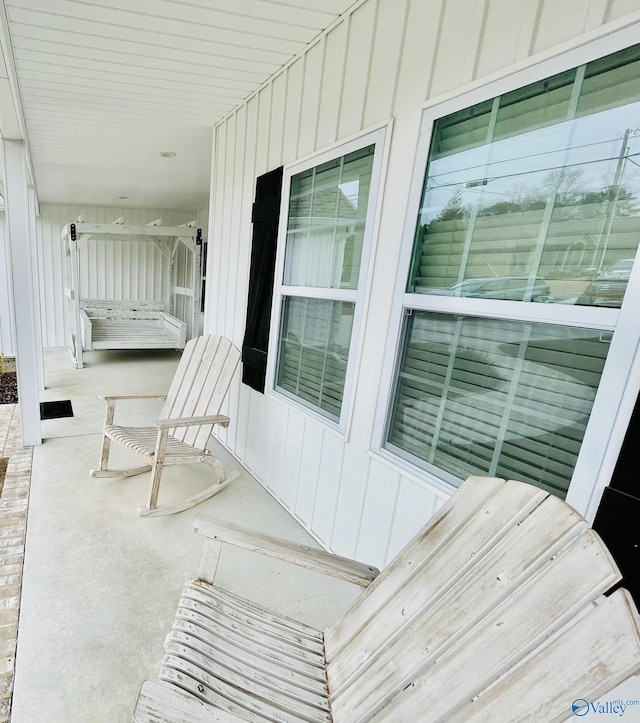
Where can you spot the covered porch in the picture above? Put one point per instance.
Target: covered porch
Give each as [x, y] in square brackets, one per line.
[100, 584]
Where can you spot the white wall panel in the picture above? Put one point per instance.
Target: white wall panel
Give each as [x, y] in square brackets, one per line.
[240, 224]
[279, 432]
[619, 8]
[278, 108]
[6, 328]
[383, 59]
[558, 22]
[244, 401]
[414, 505]
[383, 485]
[258, 437]
[362, 24]
[293, 108]
[419, 51]
[309, 472]
[499, 48]
[458, 45]
[292, 456]
[387, 48]
[351, 501]
[311, 88]
[331, 85]
[329, 477]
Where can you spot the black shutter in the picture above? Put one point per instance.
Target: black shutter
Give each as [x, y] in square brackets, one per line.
[265, 216]
[618, 518]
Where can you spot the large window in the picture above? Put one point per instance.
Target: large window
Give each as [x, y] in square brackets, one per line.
[325, 245]
[527, 231]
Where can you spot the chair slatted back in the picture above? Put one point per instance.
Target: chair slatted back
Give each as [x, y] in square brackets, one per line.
[499, 568]
[587, 659]
[200, 384]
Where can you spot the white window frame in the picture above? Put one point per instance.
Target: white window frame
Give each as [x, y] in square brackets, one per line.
[620, 381]
[379, 136]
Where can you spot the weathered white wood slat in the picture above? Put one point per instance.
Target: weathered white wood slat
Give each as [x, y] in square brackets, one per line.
[206, 367]
[504, 618]
[212, 624]
[603, 647]
[108, 229]
[441, 552]
[272, 684]
[277, 673]
[267, 664]
[142, 441]
[493, 612]
[183, 379]
[162, 703]
[199, 400]
[137, 305]
[303, 555]
[277, 625]
[225, 697]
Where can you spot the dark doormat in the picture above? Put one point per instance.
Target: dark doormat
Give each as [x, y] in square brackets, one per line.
[55, 410]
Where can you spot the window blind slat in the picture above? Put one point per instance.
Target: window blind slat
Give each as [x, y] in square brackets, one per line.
[456, 421]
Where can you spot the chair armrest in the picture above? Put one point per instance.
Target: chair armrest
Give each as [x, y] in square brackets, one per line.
[192, 421]
[115, 397]
[162, 703]
[303, 555]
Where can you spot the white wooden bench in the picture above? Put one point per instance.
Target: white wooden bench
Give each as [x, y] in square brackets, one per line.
[106, 324]
[495, 611]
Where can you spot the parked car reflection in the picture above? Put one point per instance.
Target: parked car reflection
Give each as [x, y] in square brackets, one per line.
[511, 288]
[609, 287]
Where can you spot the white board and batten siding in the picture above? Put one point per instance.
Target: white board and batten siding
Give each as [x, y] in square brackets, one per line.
[382, 60]
[7, 347]
[119, 270]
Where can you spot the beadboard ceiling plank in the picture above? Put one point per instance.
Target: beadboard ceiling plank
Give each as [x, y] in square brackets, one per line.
[108, 85]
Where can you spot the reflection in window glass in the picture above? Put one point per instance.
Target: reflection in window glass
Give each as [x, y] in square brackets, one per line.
[313, 351]
[327, 213]
[488, 396]
[535, 195]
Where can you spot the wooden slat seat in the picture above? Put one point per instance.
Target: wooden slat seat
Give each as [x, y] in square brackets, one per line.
[474, 620]
[228, 652]
[142, 441]
[191, 409]
[107, 334]
[109, 324]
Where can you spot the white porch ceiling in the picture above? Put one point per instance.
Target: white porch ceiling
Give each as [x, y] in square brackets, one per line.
[107, 85]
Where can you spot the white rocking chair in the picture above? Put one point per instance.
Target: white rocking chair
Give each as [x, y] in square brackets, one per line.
[179, 436]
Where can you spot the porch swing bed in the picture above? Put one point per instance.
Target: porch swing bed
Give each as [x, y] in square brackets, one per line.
[104, 324]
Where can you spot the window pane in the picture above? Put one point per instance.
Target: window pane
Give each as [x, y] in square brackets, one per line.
[535, 195]
[325, 230]
[488, 396]
[313, 351]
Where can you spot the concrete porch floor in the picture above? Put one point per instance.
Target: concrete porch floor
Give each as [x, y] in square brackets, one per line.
[100, 584]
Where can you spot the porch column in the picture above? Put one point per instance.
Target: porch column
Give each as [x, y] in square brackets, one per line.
[22, 276]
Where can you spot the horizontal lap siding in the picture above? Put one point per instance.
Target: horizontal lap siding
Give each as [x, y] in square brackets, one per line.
[108, 269]
[382, 60]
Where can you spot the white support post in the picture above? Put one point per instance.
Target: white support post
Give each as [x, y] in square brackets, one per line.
[21, 257]
[75, 303]
[37, 275]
